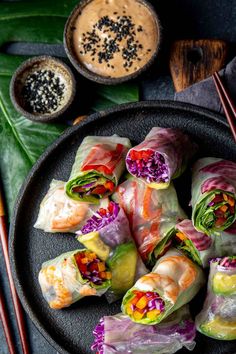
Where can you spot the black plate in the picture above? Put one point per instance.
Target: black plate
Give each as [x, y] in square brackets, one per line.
[70, 330]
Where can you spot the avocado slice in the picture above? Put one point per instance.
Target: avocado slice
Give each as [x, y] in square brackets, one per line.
[224, 284]
[219, 328]
[123, 267]
[93, 242]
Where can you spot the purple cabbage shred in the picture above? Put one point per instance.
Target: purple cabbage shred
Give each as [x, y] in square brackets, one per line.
[185, 331]
[225, 262]
[99, 334]
[102, 218]
[153, 169]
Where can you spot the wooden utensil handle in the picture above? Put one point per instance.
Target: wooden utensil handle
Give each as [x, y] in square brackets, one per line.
[195, 60]
[16, 302]
[6, 325]
[2, 211]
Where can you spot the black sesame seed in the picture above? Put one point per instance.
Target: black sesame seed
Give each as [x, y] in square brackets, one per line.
[43, 92]
[121, 29]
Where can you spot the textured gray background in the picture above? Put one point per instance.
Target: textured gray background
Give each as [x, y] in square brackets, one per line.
[180, 19]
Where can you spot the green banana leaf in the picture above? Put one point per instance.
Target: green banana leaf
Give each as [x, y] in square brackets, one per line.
[23, 141]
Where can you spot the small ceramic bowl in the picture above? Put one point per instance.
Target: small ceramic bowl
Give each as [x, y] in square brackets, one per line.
[82, 69]
[29, 67]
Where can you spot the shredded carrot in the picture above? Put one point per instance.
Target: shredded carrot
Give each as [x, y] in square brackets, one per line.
[181, 236]
[108, 275]
[224, 208]
[148, 213]
[102, 275]
[132, 203]
[231, 201]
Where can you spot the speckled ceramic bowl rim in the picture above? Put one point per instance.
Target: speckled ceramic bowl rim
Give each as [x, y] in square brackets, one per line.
[37, 117]
[96, 77]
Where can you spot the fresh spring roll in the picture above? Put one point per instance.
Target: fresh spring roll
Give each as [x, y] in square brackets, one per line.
[99, 163]
[218, 316]
[196, 245]
[213, 194]
[152, 216]
[58, 213]
[174, 281]
[72, 276]
[107, 233]
[118, 334]
[161, 157]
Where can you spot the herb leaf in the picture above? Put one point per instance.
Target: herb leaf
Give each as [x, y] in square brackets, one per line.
[23, 141]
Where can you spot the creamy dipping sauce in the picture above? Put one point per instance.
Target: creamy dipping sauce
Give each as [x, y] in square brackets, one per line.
[115, 38]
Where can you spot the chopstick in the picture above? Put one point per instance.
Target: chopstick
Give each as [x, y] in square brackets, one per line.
[227, 103]
[16, 302]
[6, 325]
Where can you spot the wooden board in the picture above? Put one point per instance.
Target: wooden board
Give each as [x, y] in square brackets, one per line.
[195, 60]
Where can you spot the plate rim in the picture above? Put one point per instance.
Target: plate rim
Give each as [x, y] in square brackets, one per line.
[218, 118]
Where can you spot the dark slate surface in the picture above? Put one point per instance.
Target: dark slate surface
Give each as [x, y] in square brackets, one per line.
[180, 19]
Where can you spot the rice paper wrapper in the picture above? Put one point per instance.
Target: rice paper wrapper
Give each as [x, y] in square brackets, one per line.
[225, 242]
[218, 316]
[114, 244]
[58, 213]
[62, 283]
[201, 247]
[118, 334]
[152, 216]
[212, 176]
[99, 159]
[175, 278]
[196, 245]
[161, 157]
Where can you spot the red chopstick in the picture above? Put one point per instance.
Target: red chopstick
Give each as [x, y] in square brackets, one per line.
[16, 302]
[6, 325]
[227, 103]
